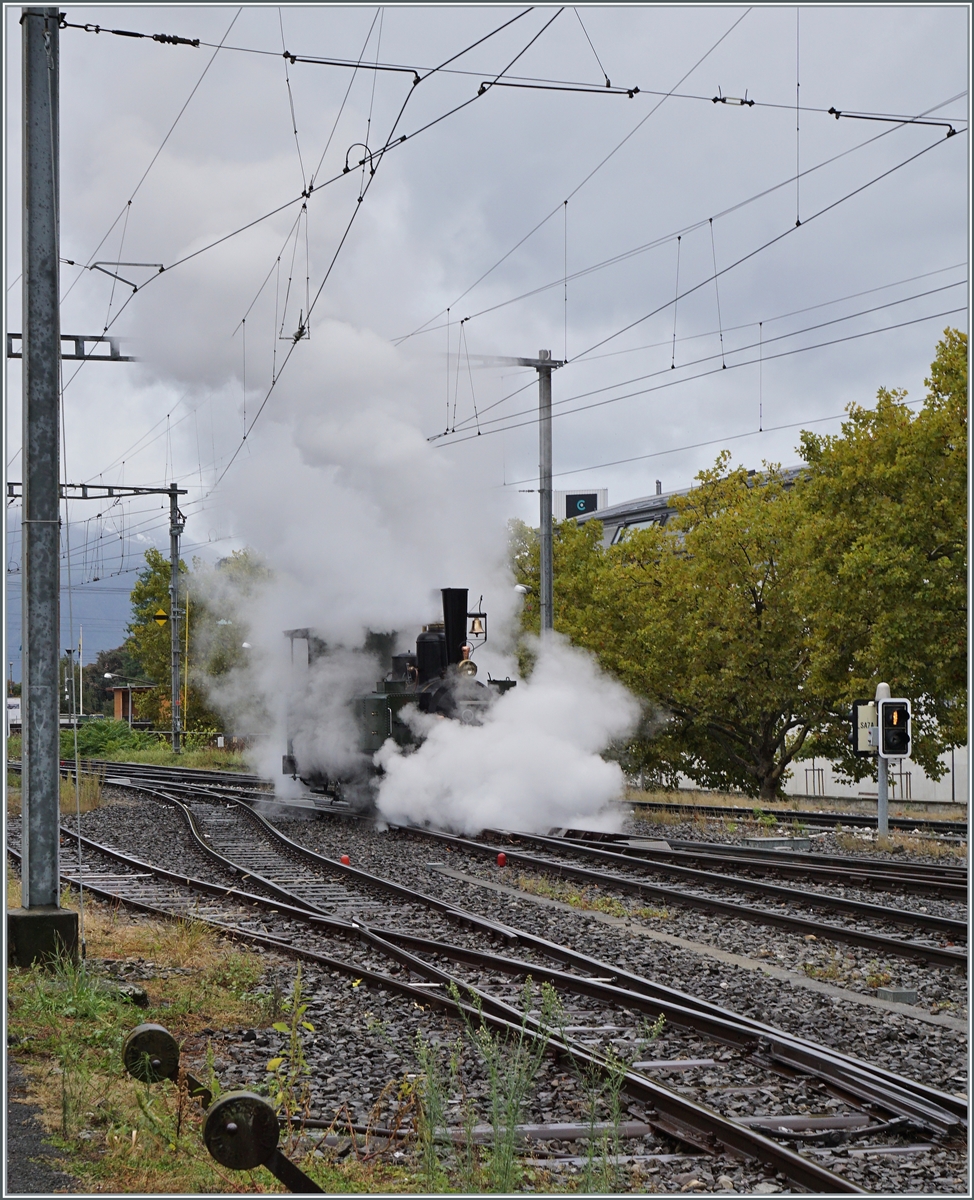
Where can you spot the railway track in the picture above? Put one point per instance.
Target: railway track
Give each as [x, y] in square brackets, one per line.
[147, 773]
[829, 820]
[558, 861]
[300, 889]
[920, 878]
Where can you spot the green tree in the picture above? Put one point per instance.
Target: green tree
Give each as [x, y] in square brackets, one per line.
[97, 689]
[215, 599]
[701, 621]
[885, 540]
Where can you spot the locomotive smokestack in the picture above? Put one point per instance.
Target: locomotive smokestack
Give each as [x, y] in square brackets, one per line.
[454, 622]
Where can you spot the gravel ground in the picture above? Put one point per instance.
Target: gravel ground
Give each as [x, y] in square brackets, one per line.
[28, 1166]
[402, 857]
[729, 832]
[364, 1040]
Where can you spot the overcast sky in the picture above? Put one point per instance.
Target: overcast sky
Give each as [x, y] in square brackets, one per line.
[469, 215]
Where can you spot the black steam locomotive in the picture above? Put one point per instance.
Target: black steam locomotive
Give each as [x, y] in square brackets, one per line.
[438, 679]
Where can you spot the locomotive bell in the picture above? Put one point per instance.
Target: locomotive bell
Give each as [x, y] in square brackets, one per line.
[477, 627]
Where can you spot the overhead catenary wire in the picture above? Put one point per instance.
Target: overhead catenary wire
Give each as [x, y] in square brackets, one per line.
[676, 299]
[720, 327]
[154, 159]
[718, 441]
[712, 371]
[794, 312]
[415, 69]
[377, 160]
[739, 350]
[683, 231]
[598, 167]
[798, 141]
[390, 145]
[608, 83]
[290, 100]
[765, 245]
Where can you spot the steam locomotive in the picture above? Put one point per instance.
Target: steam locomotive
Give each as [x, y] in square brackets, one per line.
[438, 679]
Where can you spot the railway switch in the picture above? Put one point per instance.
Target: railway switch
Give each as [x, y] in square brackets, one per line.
[241, 1129]
[150, 1054]
[241, 1132]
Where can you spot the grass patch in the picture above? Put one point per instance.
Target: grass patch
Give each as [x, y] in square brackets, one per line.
[901, 843]
[206, 757]
[877, 978]
[66, 1026]
[115, 742]
[88, 794]
[585, 899]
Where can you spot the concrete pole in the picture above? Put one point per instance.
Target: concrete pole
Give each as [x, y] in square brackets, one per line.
[41, 927]
[882, 693]
[544, 431]
[175, 529]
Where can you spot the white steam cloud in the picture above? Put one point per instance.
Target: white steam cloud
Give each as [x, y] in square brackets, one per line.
[361, 520]
[534, 763]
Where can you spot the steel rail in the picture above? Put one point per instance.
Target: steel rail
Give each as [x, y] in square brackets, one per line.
[843, 1075]
[948, 925]
[811, 818]
[920, 869]
[671, 1112]
[828, 1065]
[941, 956]
[862, 1084]
[866, 820]
[921, 878]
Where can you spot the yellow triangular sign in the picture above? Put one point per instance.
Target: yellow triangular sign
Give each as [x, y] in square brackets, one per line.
[160, 618]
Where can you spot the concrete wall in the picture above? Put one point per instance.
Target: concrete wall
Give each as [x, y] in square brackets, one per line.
[815, 777]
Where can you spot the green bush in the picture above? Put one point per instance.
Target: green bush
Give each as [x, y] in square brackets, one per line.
[102, 739]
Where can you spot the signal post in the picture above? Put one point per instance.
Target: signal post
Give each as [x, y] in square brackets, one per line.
[881, 728]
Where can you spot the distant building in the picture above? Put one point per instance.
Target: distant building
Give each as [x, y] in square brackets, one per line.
[13, 715]
[123, 695]
[648, 510]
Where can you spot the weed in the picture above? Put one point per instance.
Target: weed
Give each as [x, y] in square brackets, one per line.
[832, 970]
[581, 898]
[902, 843]
[646, 914]
[602, 1081]
[430, 1090]
[876, 977]
[290, 1072]
[511, 1060]
[86, 794]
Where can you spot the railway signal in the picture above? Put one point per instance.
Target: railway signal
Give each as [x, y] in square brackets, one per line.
[894, 728]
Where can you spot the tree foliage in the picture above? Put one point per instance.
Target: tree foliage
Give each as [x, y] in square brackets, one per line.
[754, 619]
[885, 541]
[701, 620]
[217, 632]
